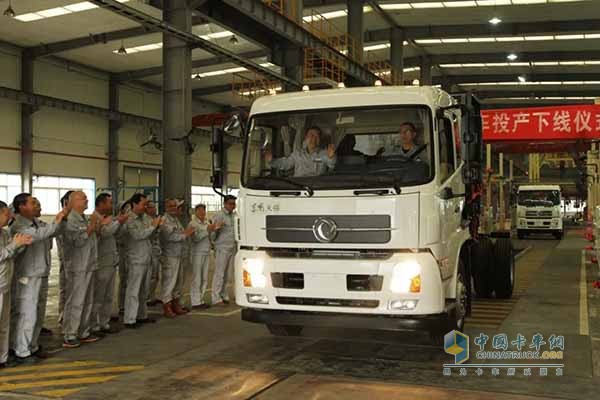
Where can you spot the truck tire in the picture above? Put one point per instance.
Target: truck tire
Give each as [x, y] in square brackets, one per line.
[457, 317]
[504, 269]
[558, 235]
[483, 267]
[520, 234]
[285, 330]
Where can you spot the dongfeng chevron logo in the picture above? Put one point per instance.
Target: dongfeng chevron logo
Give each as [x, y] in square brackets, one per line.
[325, 230]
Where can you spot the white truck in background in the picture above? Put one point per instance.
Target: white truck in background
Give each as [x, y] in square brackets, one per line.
[381, 241]
[539, 210]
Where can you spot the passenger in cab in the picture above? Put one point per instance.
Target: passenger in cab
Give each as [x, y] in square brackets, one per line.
[311, 160]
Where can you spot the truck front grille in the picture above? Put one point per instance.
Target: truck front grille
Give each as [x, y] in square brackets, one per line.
[348, 228]
[311, 301]
[371, 254]
[538, 214]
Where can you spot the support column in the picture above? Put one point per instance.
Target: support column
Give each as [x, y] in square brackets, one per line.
[501, 202]
[27, 112]
[291, 59]
[355, 29]
[446, 84]
[425, 79]
[397, 55]
[177, 104]
[113, 137]
[293, 9]
[488, 189]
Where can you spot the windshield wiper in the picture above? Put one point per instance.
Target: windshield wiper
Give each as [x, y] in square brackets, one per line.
[303, 186]
[395, 179]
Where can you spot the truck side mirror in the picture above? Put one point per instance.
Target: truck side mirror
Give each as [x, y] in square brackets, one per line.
[218, 155]
[234, 126]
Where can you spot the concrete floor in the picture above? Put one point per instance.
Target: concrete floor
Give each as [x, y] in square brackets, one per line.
[215, 355]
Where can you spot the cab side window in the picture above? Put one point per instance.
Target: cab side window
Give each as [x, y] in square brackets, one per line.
[446, 148]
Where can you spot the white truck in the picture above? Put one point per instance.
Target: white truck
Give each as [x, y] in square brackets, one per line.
[381, 233]
[539, 210]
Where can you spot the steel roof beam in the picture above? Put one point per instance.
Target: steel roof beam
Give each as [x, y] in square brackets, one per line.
[537, 92]
[161, 26]
[98, 38]
[532, 77]
[503, 29]
[256, 14]
[468, 58]
[37, 100]
[158, 70]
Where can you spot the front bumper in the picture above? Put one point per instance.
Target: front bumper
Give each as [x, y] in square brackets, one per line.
[325, 289]
[432, 322]
[538, 224]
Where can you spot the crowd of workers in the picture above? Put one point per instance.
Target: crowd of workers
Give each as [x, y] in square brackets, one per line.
[143, 247]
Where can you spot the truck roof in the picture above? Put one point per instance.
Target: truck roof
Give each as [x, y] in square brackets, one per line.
[524, 188]
[353, 97]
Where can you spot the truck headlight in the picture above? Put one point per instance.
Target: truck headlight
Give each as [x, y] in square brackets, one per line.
[406, 277]
[253, 273]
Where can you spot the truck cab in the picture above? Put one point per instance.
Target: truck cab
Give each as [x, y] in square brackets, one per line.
[357, 209]
[539, 210]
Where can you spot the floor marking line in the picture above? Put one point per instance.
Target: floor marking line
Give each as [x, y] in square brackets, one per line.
[57, 382]
[74, 372]
[584, 328]
[74, 364]
[59, 392]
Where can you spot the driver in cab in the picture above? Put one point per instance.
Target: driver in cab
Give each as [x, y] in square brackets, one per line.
[311, 160]
[407, 146]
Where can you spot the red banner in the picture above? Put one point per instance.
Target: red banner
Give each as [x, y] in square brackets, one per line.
[542, 123]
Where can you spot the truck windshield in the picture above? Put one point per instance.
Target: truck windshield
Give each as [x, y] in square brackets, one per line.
[340, 148]
[532, 198]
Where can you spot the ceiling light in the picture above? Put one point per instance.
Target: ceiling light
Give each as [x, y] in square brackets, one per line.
[522, 78]
[122, 51]
[28, 17]
[197, 77]
[495, 21]
[9, 12]
[233, 40]
[53, 12]
[512, 56]
[83, 6]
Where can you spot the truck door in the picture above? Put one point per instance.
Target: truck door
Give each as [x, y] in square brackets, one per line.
[451, 194]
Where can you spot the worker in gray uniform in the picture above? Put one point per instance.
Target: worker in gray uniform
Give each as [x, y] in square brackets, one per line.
[30, 280]
[108, 260]
[37, 210]
[59, 235]
[172, 238]
[9, 248]
[200, 256]
[225, 248]
[154, 270]
[122, 240]
[139, 252]
[81, 247]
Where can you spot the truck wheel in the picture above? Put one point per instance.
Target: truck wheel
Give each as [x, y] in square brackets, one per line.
[285, 330]
[456, 319]
[504, 269]
[482, 268]
[558, 235]
[520, 234]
